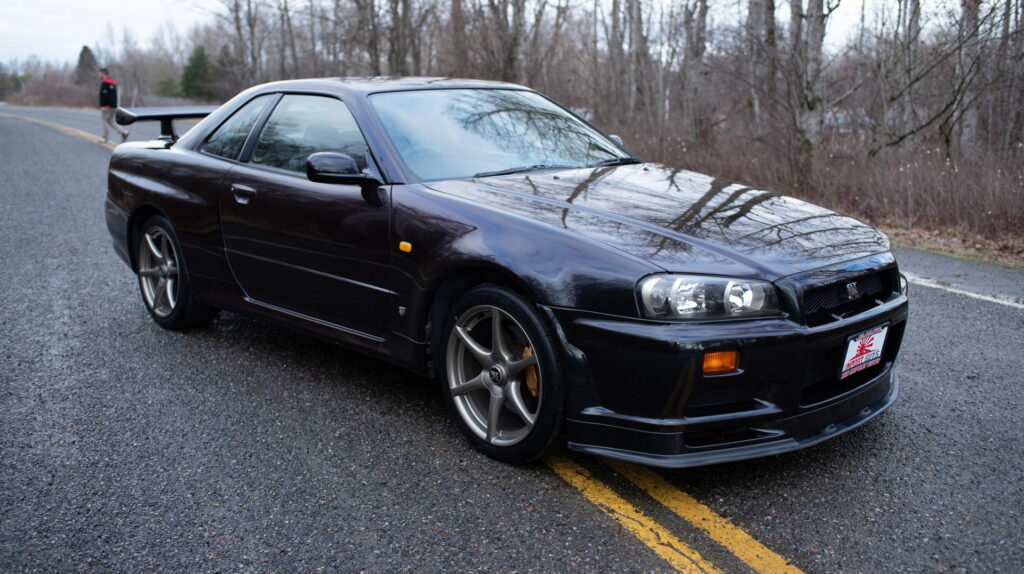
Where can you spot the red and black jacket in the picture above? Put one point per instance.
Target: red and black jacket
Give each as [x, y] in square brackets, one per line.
[108, 93]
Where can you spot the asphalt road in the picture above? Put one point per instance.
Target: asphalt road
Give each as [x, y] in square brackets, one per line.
[244, 447]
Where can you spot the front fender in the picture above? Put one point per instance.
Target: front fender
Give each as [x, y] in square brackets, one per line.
[553, 266]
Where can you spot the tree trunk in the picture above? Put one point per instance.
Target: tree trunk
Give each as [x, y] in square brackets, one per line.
[460, 50]
[396, 38]
[638, 57]
[369, 32]
[695, 22]
[287, 44]
[761, 50]
[252, 21]
[970, 54]
[912, 34]
[613, 91]
[810, 90]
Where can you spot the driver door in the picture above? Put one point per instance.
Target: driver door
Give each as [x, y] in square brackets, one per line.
[313, 249]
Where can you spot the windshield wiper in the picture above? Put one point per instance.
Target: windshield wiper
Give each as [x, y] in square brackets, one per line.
[615, 161]
[524, 169]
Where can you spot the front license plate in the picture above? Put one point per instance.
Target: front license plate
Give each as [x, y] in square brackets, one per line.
[864, 351]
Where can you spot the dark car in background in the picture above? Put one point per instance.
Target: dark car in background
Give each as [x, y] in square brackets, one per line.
[555, 284]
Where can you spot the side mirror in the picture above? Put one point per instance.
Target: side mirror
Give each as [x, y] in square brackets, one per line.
[617, 140]
[334, 167]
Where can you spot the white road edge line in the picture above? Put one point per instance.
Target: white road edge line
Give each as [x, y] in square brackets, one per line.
[936, 285]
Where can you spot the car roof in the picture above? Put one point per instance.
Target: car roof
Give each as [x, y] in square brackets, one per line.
[362, 86]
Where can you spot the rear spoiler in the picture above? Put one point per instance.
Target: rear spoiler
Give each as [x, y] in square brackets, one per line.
[166, 116]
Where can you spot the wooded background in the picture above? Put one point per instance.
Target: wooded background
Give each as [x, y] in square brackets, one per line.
[916, 120]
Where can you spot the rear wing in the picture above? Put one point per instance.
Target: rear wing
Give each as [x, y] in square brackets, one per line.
[166, 116]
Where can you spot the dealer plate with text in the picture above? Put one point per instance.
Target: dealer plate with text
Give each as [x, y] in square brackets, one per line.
[864, 351]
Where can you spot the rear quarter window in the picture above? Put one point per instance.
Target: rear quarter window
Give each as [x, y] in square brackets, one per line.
[228, 139]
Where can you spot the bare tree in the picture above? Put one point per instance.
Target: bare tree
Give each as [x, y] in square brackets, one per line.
[763, 58]
[458, 48]
[720, 87]
[807, 38]
[695, 24]
[369, 32]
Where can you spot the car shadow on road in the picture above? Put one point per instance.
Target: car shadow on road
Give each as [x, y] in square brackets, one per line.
[335, 370]
[317, 384]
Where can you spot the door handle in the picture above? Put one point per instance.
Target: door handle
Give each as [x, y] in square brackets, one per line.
[243, 193]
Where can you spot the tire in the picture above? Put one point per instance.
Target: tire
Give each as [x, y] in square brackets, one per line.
[507, 399]
[163, 278]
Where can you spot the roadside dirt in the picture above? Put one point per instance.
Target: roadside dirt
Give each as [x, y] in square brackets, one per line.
[1007, 251]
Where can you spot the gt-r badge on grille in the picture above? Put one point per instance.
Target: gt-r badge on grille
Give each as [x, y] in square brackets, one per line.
[852, 292]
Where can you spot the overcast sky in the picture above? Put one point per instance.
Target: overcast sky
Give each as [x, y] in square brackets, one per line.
[56, 30]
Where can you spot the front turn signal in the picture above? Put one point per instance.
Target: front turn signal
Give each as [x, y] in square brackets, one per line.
[721, 362]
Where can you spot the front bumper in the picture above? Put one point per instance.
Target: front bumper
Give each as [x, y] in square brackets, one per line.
[794, 433]
[636, 391]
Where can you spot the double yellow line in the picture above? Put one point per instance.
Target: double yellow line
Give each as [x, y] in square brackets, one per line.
[665, 544]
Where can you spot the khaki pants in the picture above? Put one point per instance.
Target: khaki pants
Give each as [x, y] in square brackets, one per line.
[108, 122]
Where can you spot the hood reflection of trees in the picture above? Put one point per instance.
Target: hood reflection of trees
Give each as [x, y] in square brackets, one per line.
[770, 214]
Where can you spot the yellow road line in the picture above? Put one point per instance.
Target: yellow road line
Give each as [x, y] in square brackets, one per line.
[675, 551]
[734, 538]
[68, 130]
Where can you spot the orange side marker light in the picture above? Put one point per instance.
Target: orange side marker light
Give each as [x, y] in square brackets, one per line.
[721, 362]
[404, 246]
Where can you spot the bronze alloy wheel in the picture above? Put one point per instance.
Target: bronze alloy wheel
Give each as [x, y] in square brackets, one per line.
[501, 376]
[164, 280]
[488, 367]
[158, 271]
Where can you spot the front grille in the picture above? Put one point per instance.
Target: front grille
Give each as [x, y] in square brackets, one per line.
[834, 301]
[836, 294]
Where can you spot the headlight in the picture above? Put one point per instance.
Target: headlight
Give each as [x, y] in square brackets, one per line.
[700, 297]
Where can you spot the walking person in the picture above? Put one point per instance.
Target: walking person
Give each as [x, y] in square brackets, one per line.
[108, 104]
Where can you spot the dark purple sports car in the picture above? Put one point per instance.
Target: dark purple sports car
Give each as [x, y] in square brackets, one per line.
[554, 283]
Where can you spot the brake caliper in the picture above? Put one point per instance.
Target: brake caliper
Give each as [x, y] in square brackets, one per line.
[532, 383]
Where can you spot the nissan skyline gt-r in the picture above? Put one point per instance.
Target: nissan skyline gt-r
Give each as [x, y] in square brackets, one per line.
[559, 288]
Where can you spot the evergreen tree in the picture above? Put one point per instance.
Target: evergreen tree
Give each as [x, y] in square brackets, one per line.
[197, 76]
[10, 81]
[85, 71]
[167, 87]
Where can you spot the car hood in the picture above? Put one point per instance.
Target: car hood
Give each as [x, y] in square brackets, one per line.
[679, 220]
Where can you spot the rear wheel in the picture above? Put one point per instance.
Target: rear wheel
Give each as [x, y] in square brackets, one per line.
[163, 278]
[500, 375]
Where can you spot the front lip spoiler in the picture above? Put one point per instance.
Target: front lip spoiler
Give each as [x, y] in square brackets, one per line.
[718, 456]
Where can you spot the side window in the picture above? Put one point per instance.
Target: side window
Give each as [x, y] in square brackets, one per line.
[228, 139]
[302, 125]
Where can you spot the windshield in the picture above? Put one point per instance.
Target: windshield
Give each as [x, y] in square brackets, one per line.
[460, 133]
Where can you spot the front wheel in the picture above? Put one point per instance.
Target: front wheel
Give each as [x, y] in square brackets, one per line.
[163, 278]
[500, 375]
